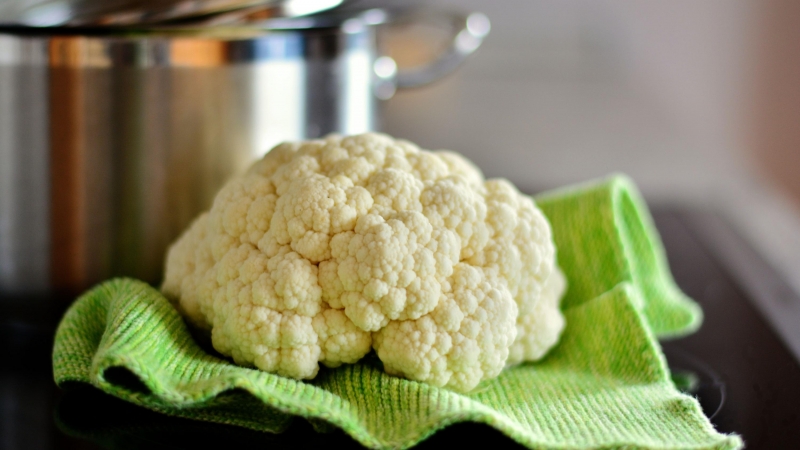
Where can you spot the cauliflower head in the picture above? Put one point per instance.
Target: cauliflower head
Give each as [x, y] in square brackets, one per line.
[326, 249]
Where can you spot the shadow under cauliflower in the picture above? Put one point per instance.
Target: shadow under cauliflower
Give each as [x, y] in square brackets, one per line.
[329, 248]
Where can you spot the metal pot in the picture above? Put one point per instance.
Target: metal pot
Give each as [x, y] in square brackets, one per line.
[113, 140]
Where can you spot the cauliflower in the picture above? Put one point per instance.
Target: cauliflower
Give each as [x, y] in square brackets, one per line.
[327, 249]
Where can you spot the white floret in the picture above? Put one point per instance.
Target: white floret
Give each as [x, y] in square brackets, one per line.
[340, 341]
[463, 341]
[539, 330]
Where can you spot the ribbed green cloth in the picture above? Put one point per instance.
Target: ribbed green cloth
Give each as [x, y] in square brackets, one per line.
[605, 236]
[606, 385]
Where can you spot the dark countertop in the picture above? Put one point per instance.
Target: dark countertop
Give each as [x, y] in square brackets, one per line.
[748, 382]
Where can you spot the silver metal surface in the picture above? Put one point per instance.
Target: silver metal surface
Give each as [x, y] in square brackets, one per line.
[50, 13]
[24, 166]
[110, 144]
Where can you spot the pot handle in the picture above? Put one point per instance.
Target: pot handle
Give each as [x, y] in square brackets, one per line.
[470, 28]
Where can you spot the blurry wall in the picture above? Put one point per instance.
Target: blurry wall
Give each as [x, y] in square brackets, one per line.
[668, 92]
[775, 138]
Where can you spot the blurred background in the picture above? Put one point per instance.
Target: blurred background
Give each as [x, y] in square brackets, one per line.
[699, 102]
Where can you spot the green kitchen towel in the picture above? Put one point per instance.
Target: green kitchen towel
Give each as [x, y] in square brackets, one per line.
[605, 236]
[606, 384]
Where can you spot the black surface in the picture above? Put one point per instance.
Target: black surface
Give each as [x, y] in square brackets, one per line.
[745, 378]
[761, 379]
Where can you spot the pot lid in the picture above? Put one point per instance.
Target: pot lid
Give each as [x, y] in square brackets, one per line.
[50, 13]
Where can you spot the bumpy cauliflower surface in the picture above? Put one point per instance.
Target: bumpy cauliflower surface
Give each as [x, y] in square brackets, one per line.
[326, 249]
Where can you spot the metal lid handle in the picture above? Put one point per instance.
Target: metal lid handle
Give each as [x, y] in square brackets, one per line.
[471, 29]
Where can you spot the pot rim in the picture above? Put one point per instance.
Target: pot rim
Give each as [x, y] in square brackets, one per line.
[240, 24]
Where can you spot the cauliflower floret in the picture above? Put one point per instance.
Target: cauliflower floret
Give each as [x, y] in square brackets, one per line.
[387, 270]
[340, 340]
[540, 329]
[187, 263]
[463, 341]
[329, 248]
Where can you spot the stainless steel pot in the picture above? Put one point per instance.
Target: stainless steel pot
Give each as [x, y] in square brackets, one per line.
[112, 140]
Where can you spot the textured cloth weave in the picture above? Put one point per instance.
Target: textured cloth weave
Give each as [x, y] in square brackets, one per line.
[605, 385]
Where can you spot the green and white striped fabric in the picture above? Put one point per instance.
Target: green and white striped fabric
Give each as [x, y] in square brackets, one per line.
[606, 385]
